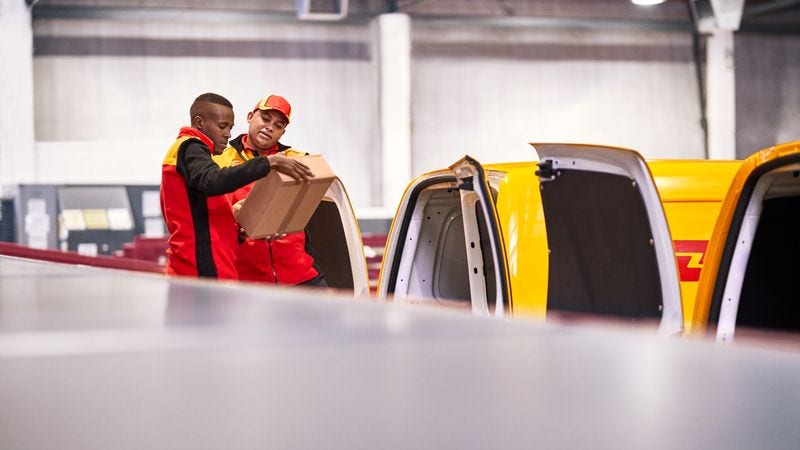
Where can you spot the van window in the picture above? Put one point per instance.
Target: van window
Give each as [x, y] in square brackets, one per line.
[328, 242]
[769, 296]
[602, 258]
[756, 285]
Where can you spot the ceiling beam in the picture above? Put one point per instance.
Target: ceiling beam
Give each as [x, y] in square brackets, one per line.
[41, 11]
[770, 7]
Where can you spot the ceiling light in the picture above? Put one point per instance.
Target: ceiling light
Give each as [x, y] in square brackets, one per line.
[647, 2]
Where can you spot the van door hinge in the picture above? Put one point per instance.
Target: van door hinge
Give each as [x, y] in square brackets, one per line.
[466, 184]
[545, 172]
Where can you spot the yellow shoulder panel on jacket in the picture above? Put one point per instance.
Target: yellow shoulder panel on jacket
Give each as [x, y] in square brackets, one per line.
[171, 159]
[229, 157]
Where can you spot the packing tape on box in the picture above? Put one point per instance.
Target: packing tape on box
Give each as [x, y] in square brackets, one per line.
[290, 215]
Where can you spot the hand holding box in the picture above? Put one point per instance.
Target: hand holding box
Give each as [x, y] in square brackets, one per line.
[279, 204]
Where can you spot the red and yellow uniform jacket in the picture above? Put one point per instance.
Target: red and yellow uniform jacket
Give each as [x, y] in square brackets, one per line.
[203, 235]
[287, 260]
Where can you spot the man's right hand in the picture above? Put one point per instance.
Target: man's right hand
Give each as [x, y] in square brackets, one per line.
[290, 166]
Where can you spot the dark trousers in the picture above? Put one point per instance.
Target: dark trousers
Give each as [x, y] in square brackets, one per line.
[317, 281]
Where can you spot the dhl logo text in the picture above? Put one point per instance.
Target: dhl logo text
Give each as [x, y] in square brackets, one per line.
[690, 256]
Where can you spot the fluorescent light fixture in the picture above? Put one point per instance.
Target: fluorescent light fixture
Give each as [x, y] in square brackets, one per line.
[647, 2]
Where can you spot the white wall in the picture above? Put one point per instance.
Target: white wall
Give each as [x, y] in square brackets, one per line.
[16, 95]
[481, 90]
[489, 92]
[105, 118]
[767, 91]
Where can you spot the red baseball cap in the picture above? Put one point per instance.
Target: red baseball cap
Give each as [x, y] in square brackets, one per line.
[275, 102]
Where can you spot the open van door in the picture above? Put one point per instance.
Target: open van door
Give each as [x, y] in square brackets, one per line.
[749, 280]
[445, 245]
[336, 240]
[610, 251]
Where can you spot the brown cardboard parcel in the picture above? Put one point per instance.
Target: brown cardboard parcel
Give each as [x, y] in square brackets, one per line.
[279, 204]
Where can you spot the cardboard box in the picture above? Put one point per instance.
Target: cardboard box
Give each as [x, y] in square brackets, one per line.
[279, 204]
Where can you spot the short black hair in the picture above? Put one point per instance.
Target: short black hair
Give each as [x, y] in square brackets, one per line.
[208, 97]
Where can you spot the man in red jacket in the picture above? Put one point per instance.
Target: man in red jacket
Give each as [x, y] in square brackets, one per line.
[203, 235]
[286, 259]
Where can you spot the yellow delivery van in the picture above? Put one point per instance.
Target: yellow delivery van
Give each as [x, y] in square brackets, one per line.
[586, 229]
[750, 266]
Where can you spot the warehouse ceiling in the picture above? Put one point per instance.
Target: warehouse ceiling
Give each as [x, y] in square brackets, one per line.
[782, 16]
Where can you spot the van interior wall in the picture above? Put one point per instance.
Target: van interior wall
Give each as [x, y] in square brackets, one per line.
[439, 270]
[767, 90]
[769, 297]
[488, 91]
[123, 88]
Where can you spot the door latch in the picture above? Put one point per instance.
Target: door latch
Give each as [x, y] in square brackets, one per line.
[545, 172]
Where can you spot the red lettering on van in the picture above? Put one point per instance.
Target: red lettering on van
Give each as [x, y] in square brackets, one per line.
[690, 256]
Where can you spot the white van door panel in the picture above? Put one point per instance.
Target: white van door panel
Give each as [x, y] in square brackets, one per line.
[607, 235]
[445, 246]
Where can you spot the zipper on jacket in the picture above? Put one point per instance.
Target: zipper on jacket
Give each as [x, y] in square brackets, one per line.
[272, 263]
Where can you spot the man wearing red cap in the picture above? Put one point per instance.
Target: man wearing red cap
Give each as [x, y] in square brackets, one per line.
[203, 234]
[286, 259]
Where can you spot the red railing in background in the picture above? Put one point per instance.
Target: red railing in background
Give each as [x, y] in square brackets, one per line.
[109, 262]
[146, 248]
[147, 255]
[373, 249]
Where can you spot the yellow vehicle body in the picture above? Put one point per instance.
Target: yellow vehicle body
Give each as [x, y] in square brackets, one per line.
[691, 194]
[521, 217]
[748, 236]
